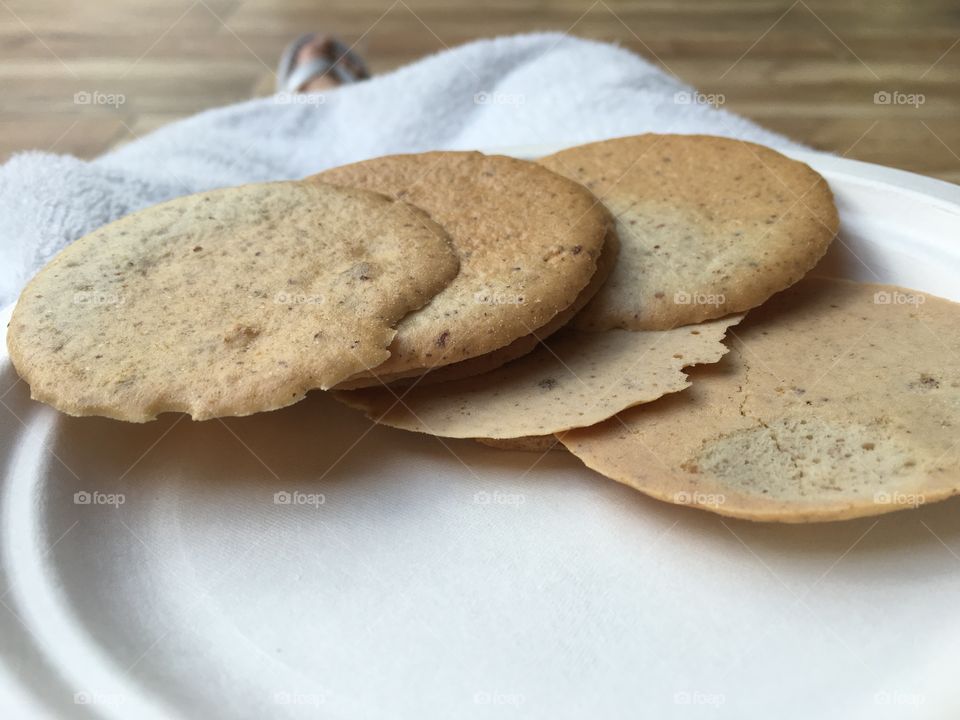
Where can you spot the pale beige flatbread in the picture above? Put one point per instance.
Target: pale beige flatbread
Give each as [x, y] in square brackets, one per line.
[574, 379]
[518, 348]
[227, 302]
[837, 400]
[528, 241]
[708, 226]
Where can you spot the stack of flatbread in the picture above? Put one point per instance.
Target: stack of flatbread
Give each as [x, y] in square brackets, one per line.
[531, 306]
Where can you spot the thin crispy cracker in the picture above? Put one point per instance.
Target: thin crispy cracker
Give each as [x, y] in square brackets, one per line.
[574, 379]
[227, 302]
[708, 226]
[528, 241]
[518, 348]
[837, 400]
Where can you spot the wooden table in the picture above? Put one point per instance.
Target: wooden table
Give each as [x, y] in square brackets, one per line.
[810, 69]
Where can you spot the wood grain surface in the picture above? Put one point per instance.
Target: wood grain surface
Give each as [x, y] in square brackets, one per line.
[809, 68]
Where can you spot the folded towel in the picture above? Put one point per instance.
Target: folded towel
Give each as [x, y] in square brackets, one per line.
[510, 91]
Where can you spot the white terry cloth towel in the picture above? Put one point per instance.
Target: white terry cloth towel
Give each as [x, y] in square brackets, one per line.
[509, 91]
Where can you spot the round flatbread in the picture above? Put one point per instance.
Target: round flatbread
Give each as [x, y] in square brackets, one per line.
[518, 348]
[708, 226]
[227, 302]
[837, 400]
[528, 241]
[574, 379]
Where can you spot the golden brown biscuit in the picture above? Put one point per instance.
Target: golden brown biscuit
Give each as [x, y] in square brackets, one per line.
[573, 379]
[837, 400]
[518, 348]
[708, 226]
[528, 241]
[227, 302]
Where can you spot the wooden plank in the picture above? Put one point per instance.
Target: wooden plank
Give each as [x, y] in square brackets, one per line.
[811, 72]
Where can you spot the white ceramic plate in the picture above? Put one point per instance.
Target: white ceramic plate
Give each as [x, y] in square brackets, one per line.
[301, 564]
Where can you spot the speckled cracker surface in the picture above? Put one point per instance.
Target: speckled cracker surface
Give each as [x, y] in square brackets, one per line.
[528, 241]
[837, 400]
[574, 379]
[227, 302]
[708, 226]
[518, 348]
